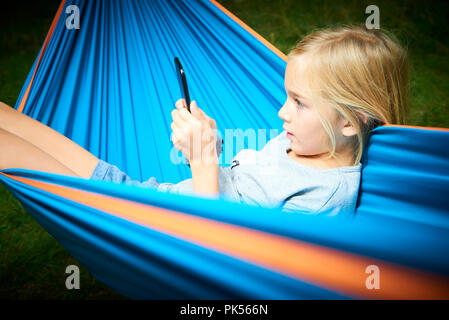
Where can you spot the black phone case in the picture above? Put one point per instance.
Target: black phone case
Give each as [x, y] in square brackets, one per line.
[182, 79]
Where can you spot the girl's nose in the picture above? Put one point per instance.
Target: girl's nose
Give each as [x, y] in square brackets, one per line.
[283, 113]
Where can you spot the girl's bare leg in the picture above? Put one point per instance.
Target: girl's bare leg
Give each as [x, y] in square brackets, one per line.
[18, 153]
[61, 151]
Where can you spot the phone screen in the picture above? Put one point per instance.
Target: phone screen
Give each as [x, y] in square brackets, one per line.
[182, 82]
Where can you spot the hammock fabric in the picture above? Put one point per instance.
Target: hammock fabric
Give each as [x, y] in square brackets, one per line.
[110, 87]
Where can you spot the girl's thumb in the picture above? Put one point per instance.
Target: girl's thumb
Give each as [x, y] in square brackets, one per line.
[195, 110]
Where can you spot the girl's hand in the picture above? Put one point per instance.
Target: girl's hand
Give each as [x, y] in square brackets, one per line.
[194, 134]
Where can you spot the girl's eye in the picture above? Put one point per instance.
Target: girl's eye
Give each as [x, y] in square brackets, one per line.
[299, 103]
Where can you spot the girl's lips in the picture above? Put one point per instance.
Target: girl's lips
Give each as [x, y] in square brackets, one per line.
[289, 135]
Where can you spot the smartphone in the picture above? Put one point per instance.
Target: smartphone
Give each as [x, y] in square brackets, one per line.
[182, 82]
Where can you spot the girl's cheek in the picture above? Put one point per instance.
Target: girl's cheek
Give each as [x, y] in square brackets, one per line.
[302, 116]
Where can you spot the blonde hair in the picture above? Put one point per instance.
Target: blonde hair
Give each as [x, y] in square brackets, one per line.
[358, 72]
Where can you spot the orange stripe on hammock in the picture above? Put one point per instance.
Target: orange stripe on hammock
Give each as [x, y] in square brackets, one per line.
[415, 127]
[47, 40]
[333, 269]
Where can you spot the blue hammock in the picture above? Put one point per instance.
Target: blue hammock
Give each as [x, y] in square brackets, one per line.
[110, 87]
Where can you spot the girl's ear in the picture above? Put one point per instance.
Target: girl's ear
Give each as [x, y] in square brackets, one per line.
[348, 129]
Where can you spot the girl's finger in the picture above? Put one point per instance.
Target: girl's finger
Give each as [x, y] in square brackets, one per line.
[177, 131]
[173, 126]
[186, 115]
[175, 137]
[181, 103]
[181, 113]
[177, 118]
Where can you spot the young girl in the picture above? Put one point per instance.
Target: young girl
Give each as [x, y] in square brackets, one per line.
[340, 84]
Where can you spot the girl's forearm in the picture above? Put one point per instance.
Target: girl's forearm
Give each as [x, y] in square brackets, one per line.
[205, 178]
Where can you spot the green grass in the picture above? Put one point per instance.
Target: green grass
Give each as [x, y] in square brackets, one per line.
[33, 264]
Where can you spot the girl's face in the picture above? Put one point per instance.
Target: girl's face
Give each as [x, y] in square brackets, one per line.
[302, 122]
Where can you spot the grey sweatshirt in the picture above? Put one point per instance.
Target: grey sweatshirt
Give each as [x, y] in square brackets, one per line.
[270, 178]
